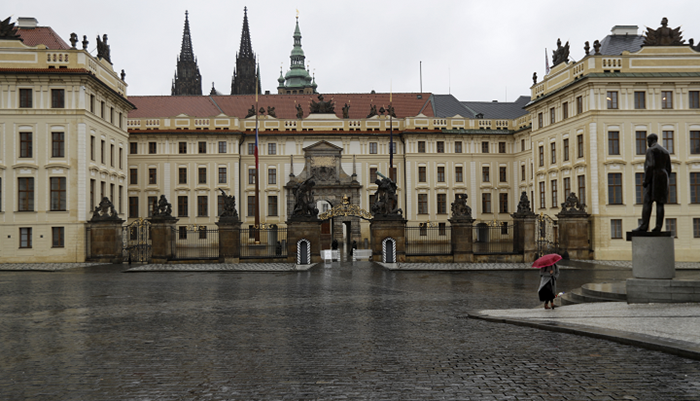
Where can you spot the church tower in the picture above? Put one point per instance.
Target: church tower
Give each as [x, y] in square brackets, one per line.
[297, 80]
[187, 79]
[243, 81]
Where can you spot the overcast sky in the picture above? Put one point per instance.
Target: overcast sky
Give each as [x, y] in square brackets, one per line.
[476, 50]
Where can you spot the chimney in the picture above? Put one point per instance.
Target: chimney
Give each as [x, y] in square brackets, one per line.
[27, 22]
[623, 30]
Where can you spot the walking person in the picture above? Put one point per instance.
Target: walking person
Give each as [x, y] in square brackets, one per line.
[549, 273]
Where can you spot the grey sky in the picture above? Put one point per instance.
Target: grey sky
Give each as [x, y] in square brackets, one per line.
[476, 50]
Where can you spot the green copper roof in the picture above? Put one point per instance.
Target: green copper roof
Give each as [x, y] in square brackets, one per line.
[297, 78]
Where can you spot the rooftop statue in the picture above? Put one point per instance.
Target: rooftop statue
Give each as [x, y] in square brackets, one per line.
[561, 55]
[322, 107]
[8, 31]
[300, 111]
[663, 36]
[346, 111]
[103, 48]
[251, 111]
[372, 111]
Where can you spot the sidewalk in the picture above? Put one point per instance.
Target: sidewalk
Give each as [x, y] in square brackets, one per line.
[671, 328]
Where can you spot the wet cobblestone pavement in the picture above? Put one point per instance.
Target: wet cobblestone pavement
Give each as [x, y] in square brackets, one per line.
[350, 331]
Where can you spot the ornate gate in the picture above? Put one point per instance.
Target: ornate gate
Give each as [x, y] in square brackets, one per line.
[547, 235]
[136, 240]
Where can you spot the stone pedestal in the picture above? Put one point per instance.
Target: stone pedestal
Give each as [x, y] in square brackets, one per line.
[573, 236]
[106, 241]
[653, 255]
[524, 237]
[382, 228]
[462, 240]
[304, 228]
[229, 240]
[162, 236]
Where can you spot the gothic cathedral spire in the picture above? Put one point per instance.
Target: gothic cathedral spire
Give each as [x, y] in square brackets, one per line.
[187, 79]
[244, 74]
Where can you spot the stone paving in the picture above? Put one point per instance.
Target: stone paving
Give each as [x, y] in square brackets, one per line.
[351, 331]
[217, 267]
[45, 266]
[458, 266]
[628, 264]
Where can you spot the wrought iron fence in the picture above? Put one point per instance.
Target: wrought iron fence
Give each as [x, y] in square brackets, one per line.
[195, 242]
[136, 241]
[429, 239]
[547, 235]
[490, 238]
[268, 241]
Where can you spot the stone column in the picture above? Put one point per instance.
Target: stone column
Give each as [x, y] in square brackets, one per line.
[162, 236]
[574, 226]
[388, 227]
[308, 228]
[462, 240]
[524, 236]
[229, 239]
[106, 241]
[529, 238]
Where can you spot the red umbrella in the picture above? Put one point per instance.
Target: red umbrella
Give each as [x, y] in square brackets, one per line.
[547, 260]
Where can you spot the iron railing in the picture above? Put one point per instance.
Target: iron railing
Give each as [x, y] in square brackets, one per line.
[136, 242]
[493, 238]
[267, 242]
[195, 242]
[426, 239]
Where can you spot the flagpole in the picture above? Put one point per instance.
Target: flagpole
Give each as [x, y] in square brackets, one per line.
[257, 174]
[391, 132]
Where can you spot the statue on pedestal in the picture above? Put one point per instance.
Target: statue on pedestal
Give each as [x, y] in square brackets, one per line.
[657, 172]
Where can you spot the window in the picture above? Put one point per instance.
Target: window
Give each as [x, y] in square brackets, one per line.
[58, 97]
[555, 193]
[251, 206]
[672, 189]
[392, 147]
[373, 148]
[92, 194]
[441, 203]
[693, 100]
[552, 116]
[666, 99]
[458, 147]
[152, 176]
[251, 176]
[25, 144]
[202, 232]
[421, 174]
[202, 206]
[638, 188]
[58, 193]
[182, 175]
[272, 205]
[484, 147]
[616, 228]
[220, 205]
[668, 141]
[567, 187]
[133, 149]
[121, 158]
[565, 110]
[522, 145]
[640, 140]
[392, 174]
[222, 175]
[458, 174]
[579, 144]
[694, 187]
[613, 142]
[58, 237]
[102, 110]
[540, 120]
[503, 203]
[111, 114]
[25, 237]
[485, 176]
[542, 194]
[440, 147]
[541, 156]
[151, 148]
[671, 226]
[522, 172]
[611, 97]
[182, 206]
[502, 174]
[182, 232]
[25, 98]
[111, 155]
[615, 188]
[486, 203]
[102, 152]
[442, 229]
[373, 174]
[26, 194]
[272, 176]
[133, 206]
[111, 193]
[222, 146]
[251, 148]
[120, 120]
[133, 176]
[151, 205]
[441, 174]
[121, 193]
[422, 204]
[202, 175]
[696, 228]
[92, 148]
[566, 149]
[202, 147]
[501, 147]
[553, 149]
[102, 190]
[182, 147]
[640, 100]
[579, 105]
[421, 146]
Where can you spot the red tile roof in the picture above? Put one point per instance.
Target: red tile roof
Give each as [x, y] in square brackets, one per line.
[42, 35]
[405, 104]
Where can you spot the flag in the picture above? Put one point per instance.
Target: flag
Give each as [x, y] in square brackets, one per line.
[546, 62]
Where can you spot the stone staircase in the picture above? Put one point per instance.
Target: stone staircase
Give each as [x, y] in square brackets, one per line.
[596, 292]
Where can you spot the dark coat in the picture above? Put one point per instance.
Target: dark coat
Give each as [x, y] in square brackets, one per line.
[657, 170]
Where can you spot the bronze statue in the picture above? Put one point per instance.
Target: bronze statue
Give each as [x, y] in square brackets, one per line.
[390, 111]
[105, 211]
[251, 111]
[346, 111]
[534, 78]
[271, 112]
[300, 111]
[561, 54]
[305, 205]
[524, 209]
[163, 209]
[460, 209]
[386, 202]
[103, 48]
[123, 75]
[8, 31]
[587, 48]
[73, 39]
[372, 111]
[85, 42]
[596, 47]
[229, 206]
[663, 36]
[572, 206]
[657, 170]
[321, 107]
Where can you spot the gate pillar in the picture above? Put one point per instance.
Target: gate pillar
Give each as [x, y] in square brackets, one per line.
[462, 240]
[229, 240]
[389, 227]
[105, 234]
[162, 238]
[304, 228]
[525, 237]
[574, 229]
